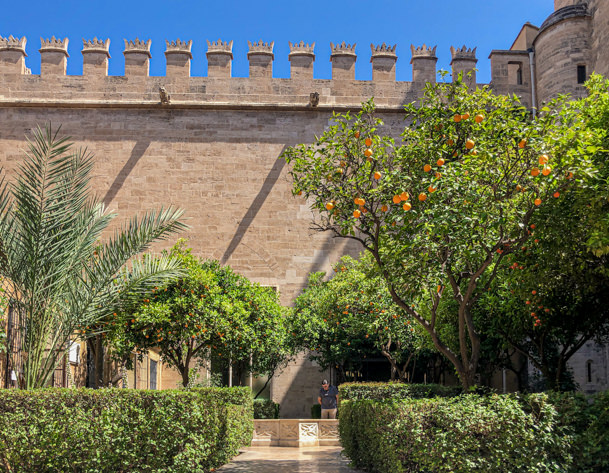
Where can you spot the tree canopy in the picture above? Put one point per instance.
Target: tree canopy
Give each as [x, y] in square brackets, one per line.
[441, 211]
[211, 314]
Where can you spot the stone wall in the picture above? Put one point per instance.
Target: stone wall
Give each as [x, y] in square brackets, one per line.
[600, 35]
[559, 49]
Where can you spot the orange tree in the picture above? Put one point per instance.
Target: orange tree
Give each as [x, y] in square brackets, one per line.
[554, 295]
[352, 317]
[442, 210]
[211, 314]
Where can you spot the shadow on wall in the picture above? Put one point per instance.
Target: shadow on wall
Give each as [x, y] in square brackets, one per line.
[254, 208]
[136, 153]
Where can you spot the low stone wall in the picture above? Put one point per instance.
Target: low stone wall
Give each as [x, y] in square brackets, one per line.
[295, 433]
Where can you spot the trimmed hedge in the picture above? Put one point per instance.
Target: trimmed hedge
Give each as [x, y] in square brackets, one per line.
[265, 409]
[384, 391]
[465, 434]
[587, 421]
[122, 430]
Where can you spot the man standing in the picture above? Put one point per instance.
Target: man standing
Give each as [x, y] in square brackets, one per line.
[328, 398]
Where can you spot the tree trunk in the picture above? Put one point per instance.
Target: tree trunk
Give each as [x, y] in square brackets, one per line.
[99, 362]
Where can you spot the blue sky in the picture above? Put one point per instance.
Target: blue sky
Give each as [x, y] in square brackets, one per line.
[485, 24]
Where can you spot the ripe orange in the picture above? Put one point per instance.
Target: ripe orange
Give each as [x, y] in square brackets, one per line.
[440, 162]
[404, 196]
[457, 118]
[569, 175]
[533, 226]
[431, 189]
[368, 152]
[465, 116]
[396, 199]
[384, 208]
[343, 164]
[438, 174]
[357, 134]
[299, 192]
[556, 195]
[522, 143]
[538, 202]
[535, 172]
[543, 159]
[469, 144]
[427, 168]
[450, 142]
[406, 206]
[533, 292]
[546, 170]
[422, 197]
[455, 154]
[377, 175]
[368, 142]
[329, 206]
[357, 213]
[479, 118]
[473, 152]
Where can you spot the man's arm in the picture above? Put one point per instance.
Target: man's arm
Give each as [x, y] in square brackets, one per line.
[318, 399]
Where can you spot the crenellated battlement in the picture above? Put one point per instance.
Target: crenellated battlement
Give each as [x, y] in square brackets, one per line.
[219, 88]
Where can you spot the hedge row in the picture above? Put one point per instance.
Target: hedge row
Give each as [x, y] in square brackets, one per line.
[265, 409]
[478, 434]
[385, 391]
[121, 430]
[465, 434]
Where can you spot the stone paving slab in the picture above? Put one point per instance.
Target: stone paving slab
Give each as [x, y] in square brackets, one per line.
[289, 460]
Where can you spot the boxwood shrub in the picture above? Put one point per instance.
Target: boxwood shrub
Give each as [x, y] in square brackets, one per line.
[265, 409]
[121, 430]
[384, 391]
[465, 434]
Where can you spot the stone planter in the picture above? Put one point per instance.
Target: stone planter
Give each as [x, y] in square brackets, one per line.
[295, 433]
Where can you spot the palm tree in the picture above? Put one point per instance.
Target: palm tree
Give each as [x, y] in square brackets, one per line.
[62, 268]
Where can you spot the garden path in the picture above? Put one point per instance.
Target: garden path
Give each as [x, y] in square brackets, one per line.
[289, 460]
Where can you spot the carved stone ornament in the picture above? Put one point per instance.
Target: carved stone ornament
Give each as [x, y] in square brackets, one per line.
[423, 51]
[382, 50]
[463, 53]
[179, 47]
[220, 47]
[13, 44]
[138, 46]
[343, 49]
[54, 45]
[301, 49]
[96, 46]
[260, 47]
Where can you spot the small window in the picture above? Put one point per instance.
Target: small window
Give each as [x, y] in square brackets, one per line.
[589, 371]
[153, 368]
[519, 76]
[74, 353]
[581, 74]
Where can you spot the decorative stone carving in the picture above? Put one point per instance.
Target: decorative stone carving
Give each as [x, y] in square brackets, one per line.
[423, 51]
[261, 48]
[266, 430]
[383, 50]
[96, 46]
[343, 49]
[138, 47]
[220, 47]
[328, 430]
[179, 47]
[463, 53]
[13, 44]
[54, 45]
[308, 431]
[289, 430]
[301, 49]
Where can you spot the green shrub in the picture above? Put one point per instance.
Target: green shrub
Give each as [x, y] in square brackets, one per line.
[465, 434]
[587, 421]
[383, 391]
[120, 430]
[265, 409]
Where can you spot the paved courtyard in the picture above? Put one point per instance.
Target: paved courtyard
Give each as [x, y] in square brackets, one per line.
[289, 460]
